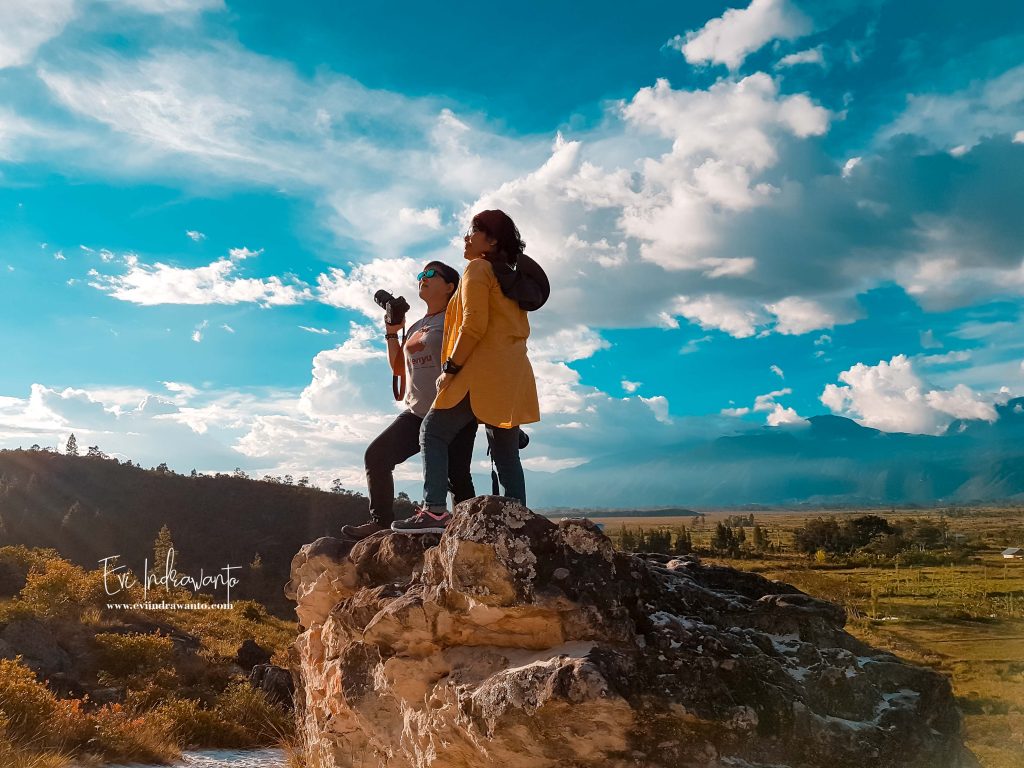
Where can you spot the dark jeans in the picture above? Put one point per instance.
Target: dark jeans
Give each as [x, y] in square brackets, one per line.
[401, 441]
[441, 427]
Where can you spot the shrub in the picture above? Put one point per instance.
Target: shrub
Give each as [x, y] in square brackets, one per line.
[56, 587]
[248, 707]
[123, 655]
[26, 705]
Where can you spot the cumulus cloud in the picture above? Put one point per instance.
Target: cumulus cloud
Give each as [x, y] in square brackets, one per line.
[795, 315]
[892, 396]
[194, 235]
[738, 32]
[630, 386]
[216, 283]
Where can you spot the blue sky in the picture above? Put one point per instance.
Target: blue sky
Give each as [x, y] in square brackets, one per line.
[751, 215]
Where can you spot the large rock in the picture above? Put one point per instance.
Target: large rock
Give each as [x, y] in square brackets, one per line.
[37, 645]
[512, 641]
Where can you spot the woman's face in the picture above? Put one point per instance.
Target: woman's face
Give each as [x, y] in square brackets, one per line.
[435, 287]
[478, 244]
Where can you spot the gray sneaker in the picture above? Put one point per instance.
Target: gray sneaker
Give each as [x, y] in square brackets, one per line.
[360, 532]
[426, 520]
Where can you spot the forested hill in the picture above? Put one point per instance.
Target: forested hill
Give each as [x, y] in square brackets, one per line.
[90, 507]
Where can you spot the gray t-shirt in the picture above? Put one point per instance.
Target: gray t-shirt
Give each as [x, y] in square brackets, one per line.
[423, 362]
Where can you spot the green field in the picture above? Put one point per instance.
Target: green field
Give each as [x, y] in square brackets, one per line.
[965, 620]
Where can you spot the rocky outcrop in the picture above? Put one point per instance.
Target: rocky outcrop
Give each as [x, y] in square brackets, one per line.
[514, 641]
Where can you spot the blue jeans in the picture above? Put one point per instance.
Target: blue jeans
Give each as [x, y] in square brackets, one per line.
[439, 429]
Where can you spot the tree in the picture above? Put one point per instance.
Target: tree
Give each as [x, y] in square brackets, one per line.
[337, 487]
[94, 452]
[760, 539]
[303, 482]
[72, 446]
[240, 474]
[163, 468]
[161, 547]
[684, 545]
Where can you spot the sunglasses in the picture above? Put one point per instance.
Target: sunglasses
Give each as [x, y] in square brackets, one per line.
[426, 273]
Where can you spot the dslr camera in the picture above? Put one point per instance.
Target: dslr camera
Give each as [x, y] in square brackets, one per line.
[394, 307]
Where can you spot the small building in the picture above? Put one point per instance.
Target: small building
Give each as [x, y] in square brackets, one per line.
[1013, 553]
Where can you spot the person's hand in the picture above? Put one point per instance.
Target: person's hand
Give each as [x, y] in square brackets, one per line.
[443, 380]
[393, 327]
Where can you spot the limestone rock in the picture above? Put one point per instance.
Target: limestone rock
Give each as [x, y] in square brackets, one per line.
[514, 641]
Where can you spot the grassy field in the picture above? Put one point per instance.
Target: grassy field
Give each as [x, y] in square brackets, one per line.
[965, 620]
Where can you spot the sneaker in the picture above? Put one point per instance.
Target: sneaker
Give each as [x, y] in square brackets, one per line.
[360, 532]
[426, 520]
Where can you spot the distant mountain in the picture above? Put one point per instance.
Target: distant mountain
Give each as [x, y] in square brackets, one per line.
[90, 508]
[829, 460]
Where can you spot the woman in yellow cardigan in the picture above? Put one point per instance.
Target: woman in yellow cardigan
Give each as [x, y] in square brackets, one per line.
[486, 377]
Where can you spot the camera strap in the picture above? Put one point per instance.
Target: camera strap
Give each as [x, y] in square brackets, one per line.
[398, 382]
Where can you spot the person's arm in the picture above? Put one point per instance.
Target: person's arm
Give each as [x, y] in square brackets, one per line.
[474, 313]
[395, 356]
[475, 289]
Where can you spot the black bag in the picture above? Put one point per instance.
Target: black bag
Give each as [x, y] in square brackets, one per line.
[525, 283]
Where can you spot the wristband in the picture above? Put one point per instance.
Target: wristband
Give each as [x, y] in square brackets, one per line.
[391, 336]
[450, 367]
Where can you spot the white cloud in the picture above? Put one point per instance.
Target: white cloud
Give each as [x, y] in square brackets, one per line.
[693, 345]
[216, 283]
[822, 340]
[630, 386]
[59, 256]
[735, 411]
[795, 315]
[767, 402]
[194, 235]
[227, 328]
[567, 344]
[781, 415]
[658, 405]
[322, 331]
[990, 107]
[738, 32]
[27, 24]
[182, 390]
[810, 56]
[197, 334]
[958, 356]
[891, 396]
[928, 340]
[428, 217]
[735, 317]
[170, 6]
[778, 371]
[849, 165]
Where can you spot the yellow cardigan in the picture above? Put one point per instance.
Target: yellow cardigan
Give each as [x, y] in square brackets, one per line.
[498, 375]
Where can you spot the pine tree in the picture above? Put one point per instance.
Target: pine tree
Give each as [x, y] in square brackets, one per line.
[72, 446]
[161, 547]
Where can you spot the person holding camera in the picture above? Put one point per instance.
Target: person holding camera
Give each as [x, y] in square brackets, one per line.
[419, 360]
[486, 374]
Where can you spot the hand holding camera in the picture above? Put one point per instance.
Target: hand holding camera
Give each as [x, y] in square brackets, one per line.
[394, 309]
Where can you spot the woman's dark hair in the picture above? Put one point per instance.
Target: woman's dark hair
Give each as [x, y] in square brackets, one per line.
[497, 225]
[448, 274]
